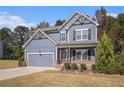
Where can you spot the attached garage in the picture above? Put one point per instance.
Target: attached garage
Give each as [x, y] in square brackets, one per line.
[41, 59]
[40, 50]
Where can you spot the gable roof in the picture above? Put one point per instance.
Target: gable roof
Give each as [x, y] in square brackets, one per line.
[74, 17]
[36, 32]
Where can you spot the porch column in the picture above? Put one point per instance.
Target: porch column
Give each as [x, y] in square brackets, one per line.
[69, 55]
[60, 60]
[94, 55]
[56, 54]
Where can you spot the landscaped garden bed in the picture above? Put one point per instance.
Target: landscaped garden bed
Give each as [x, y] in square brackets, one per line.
[73, 67]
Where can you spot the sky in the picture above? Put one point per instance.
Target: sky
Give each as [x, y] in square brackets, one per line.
[32, 15]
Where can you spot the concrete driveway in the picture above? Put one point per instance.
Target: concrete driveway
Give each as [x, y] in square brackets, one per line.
[21, 71]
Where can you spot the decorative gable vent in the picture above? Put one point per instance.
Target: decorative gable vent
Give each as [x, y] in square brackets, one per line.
[39, 36]
[81, 20]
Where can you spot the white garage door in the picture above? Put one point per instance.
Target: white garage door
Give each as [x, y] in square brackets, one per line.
[41, 60]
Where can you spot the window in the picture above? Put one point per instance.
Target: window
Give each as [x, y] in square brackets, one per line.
[84, 54]
[63, 36]
[84, 34]
[81, 34]
[78, 35]
[81, 54]
[78, 54]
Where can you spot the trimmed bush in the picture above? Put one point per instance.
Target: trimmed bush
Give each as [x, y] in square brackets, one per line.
[74, 66]
[94, 67]
[83, 66]
[67, 66]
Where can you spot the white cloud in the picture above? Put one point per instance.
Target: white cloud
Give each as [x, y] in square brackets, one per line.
[113, 15]
[3, 13]
[11, 21]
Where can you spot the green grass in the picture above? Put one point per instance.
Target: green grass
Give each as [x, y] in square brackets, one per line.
[60, 79]
[8, 64]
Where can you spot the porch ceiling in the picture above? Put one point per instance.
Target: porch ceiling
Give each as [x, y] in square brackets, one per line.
[78, 44]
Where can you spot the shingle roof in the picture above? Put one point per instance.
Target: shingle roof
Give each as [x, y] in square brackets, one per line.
[50, 29]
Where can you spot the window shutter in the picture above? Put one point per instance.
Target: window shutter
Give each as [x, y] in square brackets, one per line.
[89, 34]
[73, 54]
[74, 35]
[89, 54]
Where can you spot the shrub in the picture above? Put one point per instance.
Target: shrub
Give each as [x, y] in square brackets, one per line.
[118, 66]
[117, 69]
[67, 66]
[94, 68]
[21, 62]
[74, 66]
[83, 66]
[120, 59]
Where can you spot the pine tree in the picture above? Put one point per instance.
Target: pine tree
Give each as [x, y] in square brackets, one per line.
[105, 55]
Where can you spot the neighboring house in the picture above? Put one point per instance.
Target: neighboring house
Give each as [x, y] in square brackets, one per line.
[74, 41]
[1, 49]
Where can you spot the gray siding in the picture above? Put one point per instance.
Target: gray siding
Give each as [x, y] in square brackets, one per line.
[1, 49]
[84, 26]
[41, 45]
[55, 36]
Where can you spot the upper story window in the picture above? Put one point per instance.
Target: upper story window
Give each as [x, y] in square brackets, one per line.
[63, 36]
[85, 34]
[81, 34]
[78, 35]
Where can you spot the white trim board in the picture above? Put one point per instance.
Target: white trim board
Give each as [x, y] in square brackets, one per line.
[43, 53]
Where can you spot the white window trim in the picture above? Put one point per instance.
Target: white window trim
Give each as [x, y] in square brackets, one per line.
[65, 36]
[81, 30]
[78, 30]
[85, 34]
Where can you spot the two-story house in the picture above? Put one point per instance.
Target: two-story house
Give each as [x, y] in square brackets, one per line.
[74, 41]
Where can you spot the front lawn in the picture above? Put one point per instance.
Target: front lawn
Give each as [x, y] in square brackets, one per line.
[60, 79]
[8, 64]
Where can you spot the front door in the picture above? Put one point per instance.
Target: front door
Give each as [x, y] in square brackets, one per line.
[63, 55]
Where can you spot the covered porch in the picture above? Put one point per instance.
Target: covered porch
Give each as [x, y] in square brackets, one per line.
[76, 54]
